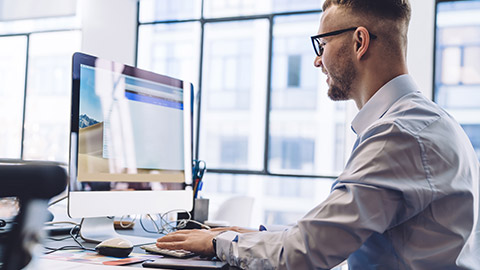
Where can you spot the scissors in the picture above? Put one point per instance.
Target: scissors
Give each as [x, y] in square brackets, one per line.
[199, 168]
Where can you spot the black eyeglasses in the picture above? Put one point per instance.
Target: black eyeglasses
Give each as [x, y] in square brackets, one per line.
[318, 45]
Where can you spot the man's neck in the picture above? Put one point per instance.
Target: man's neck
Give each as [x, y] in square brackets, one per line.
[373, 81]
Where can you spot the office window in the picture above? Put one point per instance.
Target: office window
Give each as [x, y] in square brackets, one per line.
[289, 5]
[234, 90]
[172, 49]
[473, 132]
[234, 150]
[292, 64]
[290, 188]
[278, 200]
[254, 77]
[263, 113]
[457, 69]
[283, 217]
[304, 112]
[472, 65]
[12, 86]
[152, 10]
[294, 70]
[47, 113]
[222, 8]
[35, 99]
[292, 153]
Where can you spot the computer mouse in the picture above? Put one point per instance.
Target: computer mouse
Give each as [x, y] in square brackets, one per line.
[115, 247]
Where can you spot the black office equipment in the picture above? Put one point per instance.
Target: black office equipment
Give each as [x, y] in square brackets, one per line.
[32, 184]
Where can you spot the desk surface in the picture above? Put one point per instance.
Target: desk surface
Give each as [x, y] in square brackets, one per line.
[79, 259]
[48, 264]
[75, 259]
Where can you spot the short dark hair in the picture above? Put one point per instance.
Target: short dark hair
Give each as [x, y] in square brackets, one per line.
[398, 10]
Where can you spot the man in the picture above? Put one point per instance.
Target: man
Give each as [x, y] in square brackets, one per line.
[406, 197]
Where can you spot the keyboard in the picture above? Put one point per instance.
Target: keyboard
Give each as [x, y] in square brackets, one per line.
[168, 252]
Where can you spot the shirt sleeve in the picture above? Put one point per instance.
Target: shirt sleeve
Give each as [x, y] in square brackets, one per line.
[371, 196]
[320, 240]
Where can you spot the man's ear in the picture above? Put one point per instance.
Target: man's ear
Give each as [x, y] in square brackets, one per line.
[362, 42]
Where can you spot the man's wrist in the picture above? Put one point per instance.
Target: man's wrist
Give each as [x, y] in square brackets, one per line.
[214, 242]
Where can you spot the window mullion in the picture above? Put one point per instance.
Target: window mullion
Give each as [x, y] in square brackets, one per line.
[269, 88]
[25, 94]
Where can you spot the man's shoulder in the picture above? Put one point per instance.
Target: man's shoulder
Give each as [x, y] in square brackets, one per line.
[414, 113]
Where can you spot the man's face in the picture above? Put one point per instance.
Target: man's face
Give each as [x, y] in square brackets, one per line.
[337, 58]
[341, 74]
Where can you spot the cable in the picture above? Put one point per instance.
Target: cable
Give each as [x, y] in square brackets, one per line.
[74, 237]
[128, 225]
[58, 239]
[58, 200]
[166, 226]
[52, 250]
[153, 221]
[182, 223]
[203, 226]
[146, 230]
[61, 222]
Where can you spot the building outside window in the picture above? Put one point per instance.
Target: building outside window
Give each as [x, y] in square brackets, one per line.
[12, 86]
[35, 67]
[457, 64]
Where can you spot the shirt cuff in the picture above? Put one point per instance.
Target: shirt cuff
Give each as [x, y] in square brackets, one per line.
[274, 228]
[223, 244]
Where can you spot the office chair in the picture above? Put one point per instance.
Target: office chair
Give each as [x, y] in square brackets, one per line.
[235, 211]
[33, 185]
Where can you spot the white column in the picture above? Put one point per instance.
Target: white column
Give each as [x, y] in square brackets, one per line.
[420, 44]
[109, 29]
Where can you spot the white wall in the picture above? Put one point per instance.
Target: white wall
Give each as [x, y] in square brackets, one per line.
[109, 29]
[420, 44]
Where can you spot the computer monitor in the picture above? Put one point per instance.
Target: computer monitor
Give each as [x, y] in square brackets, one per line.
[130, 144]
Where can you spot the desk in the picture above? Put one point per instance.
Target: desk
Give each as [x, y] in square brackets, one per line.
[47, 261]
[48, 264]
[44, 262]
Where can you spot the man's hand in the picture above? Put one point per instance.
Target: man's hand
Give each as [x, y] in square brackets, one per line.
[197, 241]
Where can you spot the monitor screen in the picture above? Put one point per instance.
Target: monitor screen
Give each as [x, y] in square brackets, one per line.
[131, 140]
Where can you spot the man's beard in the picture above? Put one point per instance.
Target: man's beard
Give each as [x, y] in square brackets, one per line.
[341, 84]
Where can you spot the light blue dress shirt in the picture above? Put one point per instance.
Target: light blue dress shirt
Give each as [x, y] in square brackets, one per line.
[407, 199]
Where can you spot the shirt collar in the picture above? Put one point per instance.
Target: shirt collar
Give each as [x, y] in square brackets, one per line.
[382, 100]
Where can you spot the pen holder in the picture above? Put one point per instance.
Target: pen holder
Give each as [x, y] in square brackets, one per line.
[199, 213]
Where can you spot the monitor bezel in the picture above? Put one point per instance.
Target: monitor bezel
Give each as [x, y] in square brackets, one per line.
[85, 204]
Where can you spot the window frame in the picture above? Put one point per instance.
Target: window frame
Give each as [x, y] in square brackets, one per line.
[203, 21]
[27, 35]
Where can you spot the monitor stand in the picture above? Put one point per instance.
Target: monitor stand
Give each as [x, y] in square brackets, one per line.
[98, 229]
